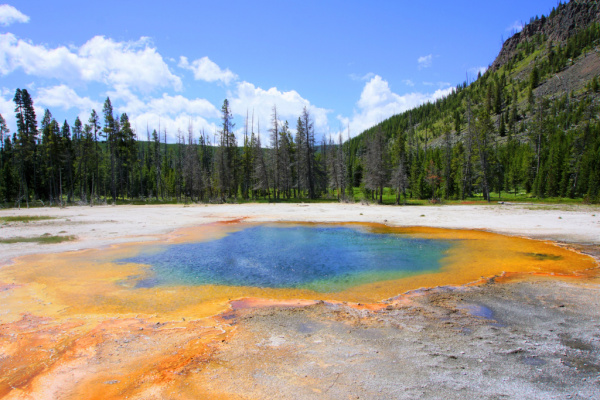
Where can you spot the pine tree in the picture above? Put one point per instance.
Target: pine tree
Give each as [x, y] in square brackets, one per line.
[467, 168]
[498, 97]
[433, 178]
[447, 172]
[27, 135]
[534, 77]
[457, 122]
[537, 138]
[94, 123]
[594, 86]
[227, 155]
[67, 159]
[127, 152]
[156, 163]
[79, 148]
[50, 157]
[484, 129]
[110, 134]
[301, 153]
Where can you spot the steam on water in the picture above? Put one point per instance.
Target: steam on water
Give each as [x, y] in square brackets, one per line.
[325, 259]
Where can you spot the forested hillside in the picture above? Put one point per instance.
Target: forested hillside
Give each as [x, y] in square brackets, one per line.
[528, 126]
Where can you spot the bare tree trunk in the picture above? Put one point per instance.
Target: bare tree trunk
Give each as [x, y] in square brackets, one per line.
[275, 144]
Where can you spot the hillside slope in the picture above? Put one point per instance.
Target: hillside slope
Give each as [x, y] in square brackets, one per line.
[562, 23]
[504, 131]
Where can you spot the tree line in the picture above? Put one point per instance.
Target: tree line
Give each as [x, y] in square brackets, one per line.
[550, 148]
[556, 153]
[103, 160]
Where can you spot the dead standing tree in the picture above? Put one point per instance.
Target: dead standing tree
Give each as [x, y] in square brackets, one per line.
[376, 163]
[399, 181]
[275, 153]
[261, 176]
[309, 151]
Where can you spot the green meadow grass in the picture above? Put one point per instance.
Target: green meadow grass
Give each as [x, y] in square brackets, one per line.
[44, 239]
[24, 218]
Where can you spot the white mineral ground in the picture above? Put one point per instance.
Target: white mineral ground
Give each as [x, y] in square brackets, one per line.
[540, 338]
[104, 225]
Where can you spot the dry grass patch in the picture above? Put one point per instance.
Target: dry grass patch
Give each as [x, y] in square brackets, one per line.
[46, 238]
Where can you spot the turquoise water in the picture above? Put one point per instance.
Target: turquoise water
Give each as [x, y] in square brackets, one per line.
[320, 258]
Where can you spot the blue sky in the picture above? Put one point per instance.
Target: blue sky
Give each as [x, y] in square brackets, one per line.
[352, 63]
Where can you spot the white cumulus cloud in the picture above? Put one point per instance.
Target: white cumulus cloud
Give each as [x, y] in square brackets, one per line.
[206, 70]
[425, 61]
[173, 105]
[377, 102]
[10, 15]
[165, 105]
[64, 97]
[171, 113]
[133, 64]
[290, 104]
[145, 123]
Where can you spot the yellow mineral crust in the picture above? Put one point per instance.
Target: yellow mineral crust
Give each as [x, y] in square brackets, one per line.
[73, 325]
[90, 282]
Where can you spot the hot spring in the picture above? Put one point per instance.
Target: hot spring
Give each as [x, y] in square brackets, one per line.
[196, 272]
[318, 258]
